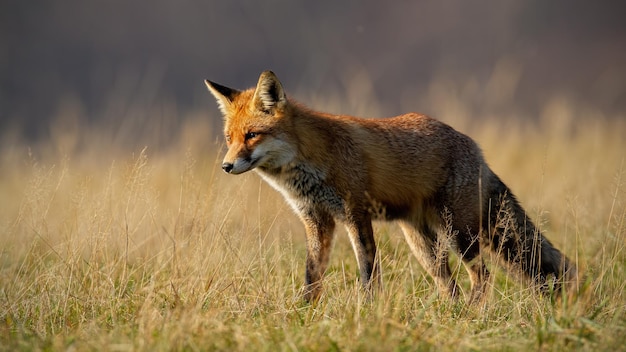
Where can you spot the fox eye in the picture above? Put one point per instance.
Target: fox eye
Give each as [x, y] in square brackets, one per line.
[250, 135]
[227, 137]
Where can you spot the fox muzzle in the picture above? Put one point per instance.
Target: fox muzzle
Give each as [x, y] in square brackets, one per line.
[227, 167]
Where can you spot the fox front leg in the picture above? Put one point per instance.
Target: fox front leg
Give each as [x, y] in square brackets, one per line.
[320, 228]
[362, 238]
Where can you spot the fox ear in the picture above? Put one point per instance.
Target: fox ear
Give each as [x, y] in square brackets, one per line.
[224, 95]
[269, 94]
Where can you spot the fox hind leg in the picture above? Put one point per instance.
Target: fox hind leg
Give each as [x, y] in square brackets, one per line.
[429, 250]
[469, 250]
[479, 279]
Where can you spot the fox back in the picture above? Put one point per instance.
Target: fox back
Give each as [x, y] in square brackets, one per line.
[411, 168]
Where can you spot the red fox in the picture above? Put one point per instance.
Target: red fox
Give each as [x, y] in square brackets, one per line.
[411, 168]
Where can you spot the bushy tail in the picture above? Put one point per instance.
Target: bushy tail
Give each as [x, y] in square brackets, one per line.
[516, 239]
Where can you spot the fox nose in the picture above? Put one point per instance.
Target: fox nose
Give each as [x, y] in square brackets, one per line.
[227, 167]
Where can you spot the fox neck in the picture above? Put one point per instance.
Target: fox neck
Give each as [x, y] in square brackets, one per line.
[314, 135]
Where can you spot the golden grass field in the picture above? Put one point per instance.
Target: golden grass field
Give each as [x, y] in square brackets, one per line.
[105, 247]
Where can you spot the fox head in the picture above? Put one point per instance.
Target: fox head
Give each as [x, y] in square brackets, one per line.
[255, 125]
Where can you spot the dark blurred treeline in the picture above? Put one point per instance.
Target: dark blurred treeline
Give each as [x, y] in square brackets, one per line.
[119, 57]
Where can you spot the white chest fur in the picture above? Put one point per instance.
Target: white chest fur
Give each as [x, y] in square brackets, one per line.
[304, 187]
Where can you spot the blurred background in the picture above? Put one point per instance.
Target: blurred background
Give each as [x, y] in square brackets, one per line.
[126, 65]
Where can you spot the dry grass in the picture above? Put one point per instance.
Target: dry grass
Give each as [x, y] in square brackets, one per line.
[109, 249]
